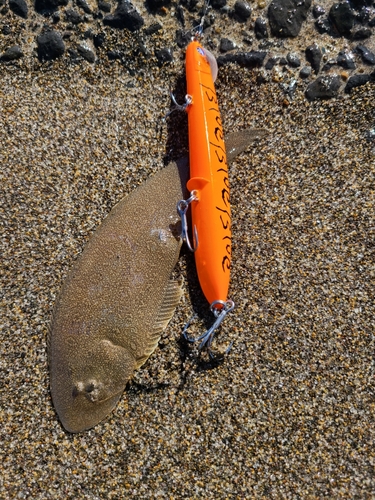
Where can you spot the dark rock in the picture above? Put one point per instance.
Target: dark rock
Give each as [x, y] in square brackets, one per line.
[85, 52]
[73, 54]
[154, 28]
[164, 56]
[305, 72]
[357, 81]
[180, 15]
[323, 25]
[283, 61]
[226, 45]
[242, 11]
[113, 55]
[372, 23]
[71, 16]
[247, 59]
[342, 17]
[48, 6]
[314, 56]
[6, 30]
[12, 54]
[50, 46]
[324, 87]
[363, 15]
[155, 5]
[19, 7]
[345, 60]
[260, 28]
[358, 4]
[182, 38]
[293, 60]
[56, 17]
[361, 34]
[82, 4]
[191, 5]
[318, 11]
[104, 6]
[286, 16]
[272, 61]
[125, 16]
[367, 56]
[218, 4]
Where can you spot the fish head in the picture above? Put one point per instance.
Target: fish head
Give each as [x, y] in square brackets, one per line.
[87, 385]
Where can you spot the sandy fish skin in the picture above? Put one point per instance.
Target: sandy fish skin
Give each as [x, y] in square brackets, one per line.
[116, 301]
[118, 297]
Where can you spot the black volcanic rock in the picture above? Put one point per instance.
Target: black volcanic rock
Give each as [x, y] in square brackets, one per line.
[125, 16]
[286, 16]
[324, 87]
[19, 7]
[50, 46]
[342, 17]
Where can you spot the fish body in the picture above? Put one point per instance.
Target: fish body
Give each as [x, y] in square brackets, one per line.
[116, 301]
[118, 297]
[208, 181]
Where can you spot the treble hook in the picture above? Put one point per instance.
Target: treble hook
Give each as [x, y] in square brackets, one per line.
[182, 207]
[207, 337]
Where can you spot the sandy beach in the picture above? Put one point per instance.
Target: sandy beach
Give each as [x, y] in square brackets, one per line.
[290, 412]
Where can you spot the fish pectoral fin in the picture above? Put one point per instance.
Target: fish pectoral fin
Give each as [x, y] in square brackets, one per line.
[171, 298]
[237, 142]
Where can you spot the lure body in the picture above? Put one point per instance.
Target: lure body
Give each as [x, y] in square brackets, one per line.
[211, 218]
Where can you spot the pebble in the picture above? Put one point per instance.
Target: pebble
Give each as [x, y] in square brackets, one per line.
[314, 56]
[286, 16]
[367, 56]
[293, 60]
[242, 11]
[46, 7]
[346, 60]
[323, 87]
[164, 55]
[19, 7]
[125, 16]
[305, 72]
[86, 52]
[12, 54]
[342, 17]
[50, 45]
[246, 59]
[226, 45]
[358, 80]
[260, 28]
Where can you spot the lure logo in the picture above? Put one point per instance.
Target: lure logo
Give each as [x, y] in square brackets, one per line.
[220, 167]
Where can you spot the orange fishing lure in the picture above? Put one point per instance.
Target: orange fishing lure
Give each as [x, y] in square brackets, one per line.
[208, 185]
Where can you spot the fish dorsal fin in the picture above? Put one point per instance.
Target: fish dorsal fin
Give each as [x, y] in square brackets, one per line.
[237, 142]
[171, 298]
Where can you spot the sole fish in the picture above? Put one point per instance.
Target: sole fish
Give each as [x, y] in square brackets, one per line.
[119, 297]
